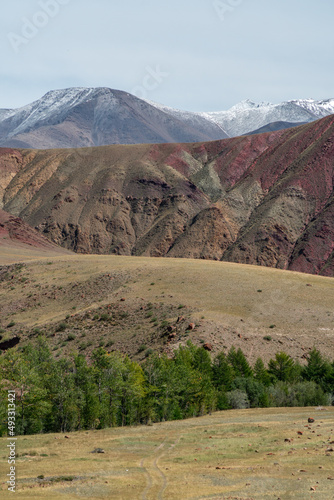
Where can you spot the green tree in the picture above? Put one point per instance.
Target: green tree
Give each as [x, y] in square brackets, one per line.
[32, 405]
[261, 373]
[283, 368]
[239, 363]
[223, 373]
[132, 392]
[64, 396]
[318, 370]
[256, 391]
[86, 394]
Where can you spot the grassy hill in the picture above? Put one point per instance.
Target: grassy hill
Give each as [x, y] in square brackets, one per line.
[124, 303]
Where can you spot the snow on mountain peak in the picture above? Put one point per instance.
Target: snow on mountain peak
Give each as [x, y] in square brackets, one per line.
[242, 118]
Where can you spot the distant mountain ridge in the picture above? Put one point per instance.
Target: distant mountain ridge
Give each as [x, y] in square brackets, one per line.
[273, 127]
[86, 117]
[248, 116]
[83, 117]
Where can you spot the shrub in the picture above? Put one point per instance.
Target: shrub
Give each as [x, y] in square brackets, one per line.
[11, 324]
[70, 337]
[299, 394]
[255, 390]
[237, 399]
[61, 327]
[142, 348]
[105, 317]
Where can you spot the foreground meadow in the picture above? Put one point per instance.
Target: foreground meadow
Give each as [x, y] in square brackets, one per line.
[239, 454]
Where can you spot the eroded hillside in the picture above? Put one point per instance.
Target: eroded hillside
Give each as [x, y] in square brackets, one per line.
[264, 199]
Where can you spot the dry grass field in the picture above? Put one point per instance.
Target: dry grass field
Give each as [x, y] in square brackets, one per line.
[230, 304]
[238, 454]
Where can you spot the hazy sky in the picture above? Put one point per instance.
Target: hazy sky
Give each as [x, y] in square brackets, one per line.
[199, 55]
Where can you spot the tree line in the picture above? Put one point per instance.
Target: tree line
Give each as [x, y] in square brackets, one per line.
[67, 394]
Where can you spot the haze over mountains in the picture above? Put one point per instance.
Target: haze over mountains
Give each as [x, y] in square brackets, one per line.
[263, 199]
[83, 117]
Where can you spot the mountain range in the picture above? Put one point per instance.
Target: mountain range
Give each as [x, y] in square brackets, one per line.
[264, 199]
[86, 117]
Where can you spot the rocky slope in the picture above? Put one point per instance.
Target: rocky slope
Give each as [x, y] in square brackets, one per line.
[262, 199]
[14, 232]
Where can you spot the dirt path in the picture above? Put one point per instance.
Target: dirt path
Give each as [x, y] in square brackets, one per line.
[156, 478]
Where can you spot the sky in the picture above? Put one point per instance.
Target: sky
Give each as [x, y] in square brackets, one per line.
[196, 55]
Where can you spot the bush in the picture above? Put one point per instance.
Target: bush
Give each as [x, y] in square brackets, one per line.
[299, 394]
[142, 348]
[105, 317]
[61, 327]
[255, 390]
[70, 337]
[237, 399]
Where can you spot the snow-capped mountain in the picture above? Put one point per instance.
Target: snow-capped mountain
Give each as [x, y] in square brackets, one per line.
[248, 116]
[78, 117]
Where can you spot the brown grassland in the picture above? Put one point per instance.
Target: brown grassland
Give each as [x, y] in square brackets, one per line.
[237, 454]
[230, 304]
